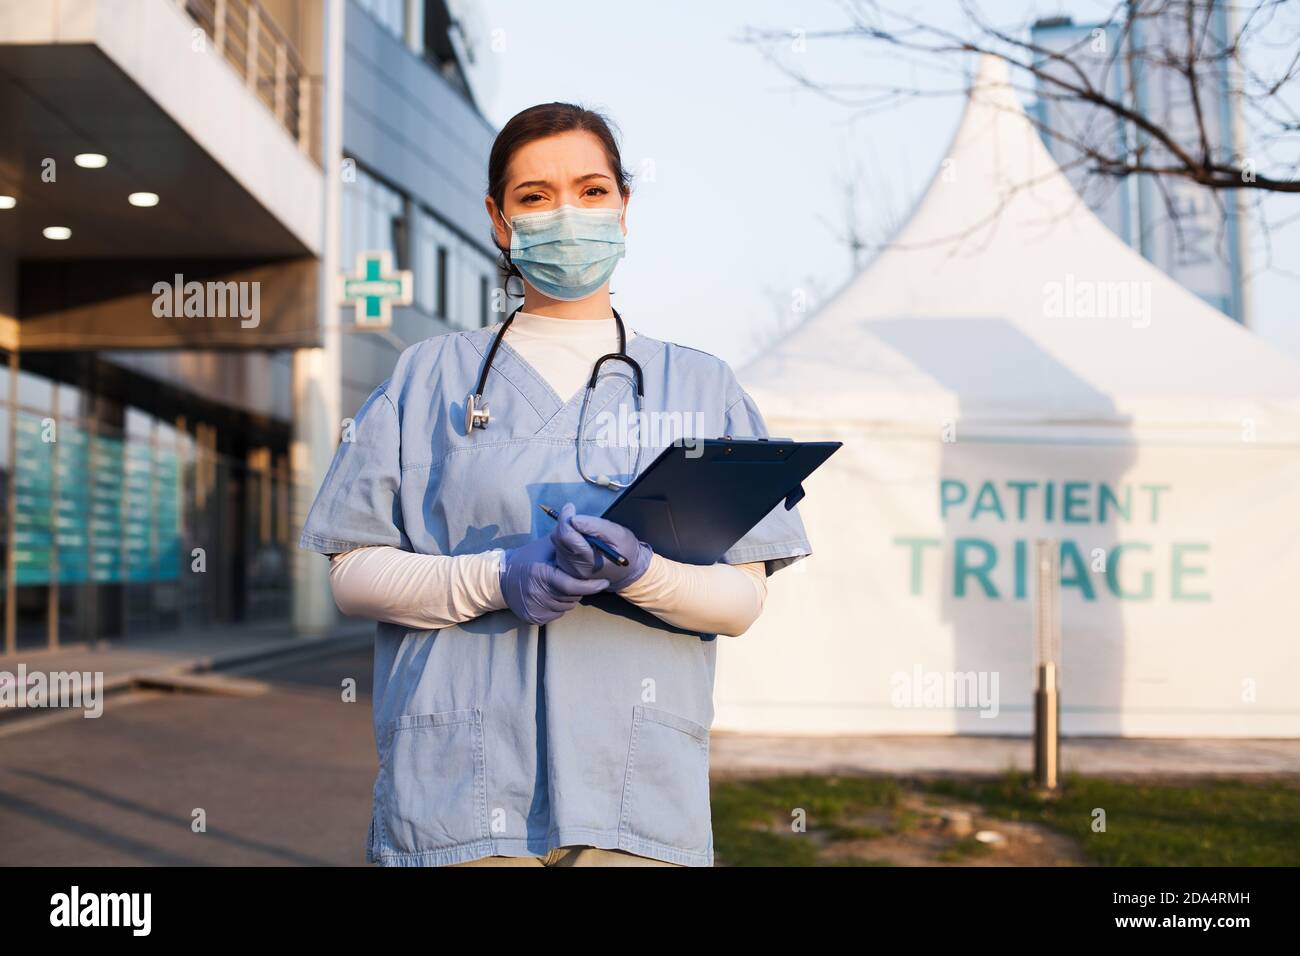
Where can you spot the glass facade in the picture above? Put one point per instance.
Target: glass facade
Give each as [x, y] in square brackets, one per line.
[125, 523]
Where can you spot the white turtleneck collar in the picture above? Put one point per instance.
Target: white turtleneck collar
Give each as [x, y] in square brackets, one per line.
[549, 327]
[562, 351]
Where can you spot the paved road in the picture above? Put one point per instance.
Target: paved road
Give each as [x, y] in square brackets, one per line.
[284, 777]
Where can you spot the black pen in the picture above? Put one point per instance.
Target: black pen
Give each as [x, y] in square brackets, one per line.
[596, 543]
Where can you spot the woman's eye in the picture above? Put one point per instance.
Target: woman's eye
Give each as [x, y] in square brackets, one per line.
[596, 191]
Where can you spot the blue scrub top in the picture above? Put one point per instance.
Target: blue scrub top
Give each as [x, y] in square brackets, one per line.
[498, 737]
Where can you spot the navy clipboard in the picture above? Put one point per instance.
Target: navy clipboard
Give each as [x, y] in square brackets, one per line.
[700, 496]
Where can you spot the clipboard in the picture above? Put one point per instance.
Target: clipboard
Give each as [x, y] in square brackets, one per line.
[700, 496]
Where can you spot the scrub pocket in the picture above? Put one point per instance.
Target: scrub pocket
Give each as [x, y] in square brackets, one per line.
[666, 790]
[435, 782]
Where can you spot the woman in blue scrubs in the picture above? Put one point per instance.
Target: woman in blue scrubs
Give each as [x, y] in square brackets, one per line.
[514, 724]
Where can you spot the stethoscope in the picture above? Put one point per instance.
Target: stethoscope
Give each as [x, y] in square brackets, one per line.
[477, 415]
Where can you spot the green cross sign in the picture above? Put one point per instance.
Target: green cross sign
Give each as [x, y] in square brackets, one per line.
[375, 288]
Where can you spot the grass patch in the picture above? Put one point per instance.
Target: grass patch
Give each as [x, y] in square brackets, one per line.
[1202, 822]
[754, 820]
[965, 849]
[1206, 822]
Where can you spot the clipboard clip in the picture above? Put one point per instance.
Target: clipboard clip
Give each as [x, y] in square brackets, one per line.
[795, 496]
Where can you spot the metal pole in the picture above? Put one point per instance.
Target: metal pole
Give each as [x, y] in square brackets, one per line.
[1047, 646]
[304, 114]
[219, 27]
[251, 51]
[281, 82]
[1241, 204]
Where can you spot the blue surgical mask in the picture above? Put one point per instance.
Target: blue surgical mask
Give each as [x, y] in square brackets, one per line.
[567, 253]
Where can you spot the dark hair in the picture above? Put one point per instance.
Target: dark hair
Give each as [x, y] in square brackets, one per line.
[538, 122]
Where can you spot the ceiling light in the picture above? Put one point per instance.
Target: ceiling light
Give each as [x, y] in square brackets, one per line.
[143, 199]
[8, 202]
[90, 160]
[56, 232]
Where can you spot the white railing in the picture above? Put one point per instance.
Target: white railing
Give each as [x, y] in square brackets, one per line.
[251, 42]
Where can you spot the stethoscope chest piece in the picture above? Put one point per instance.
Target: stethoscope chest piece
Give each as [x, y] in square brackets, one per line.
[476, 413]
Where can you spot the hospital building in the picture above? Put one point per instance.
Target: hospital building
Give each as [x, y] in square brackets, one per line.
[182, 185]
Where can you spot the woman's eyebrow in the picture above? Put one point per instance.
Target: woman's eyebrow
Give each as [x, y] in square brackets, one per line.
[531, 183]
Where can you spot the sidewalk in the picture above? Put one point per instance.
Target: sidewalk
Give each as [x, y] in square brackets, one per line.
[129, 660]
[735, 755]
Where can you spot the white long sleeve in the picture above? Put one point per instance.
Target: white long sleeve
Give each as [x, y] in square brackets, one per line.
[712, 598]
[425, 591]
[431, 591]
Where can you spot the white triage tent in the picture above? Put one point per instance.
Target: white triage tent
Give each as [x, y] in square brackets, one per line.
[1008, 370]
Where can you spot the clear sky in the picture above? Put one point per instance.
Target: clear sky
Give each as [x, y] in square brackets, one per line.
[741, 192]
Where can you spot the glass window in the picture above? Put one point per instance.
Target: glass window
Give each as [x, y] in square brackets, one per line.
[348, 226]
[139, 424]
[424, 239]
[473, 303]
[167, 436]
[69, 399]
[371, 218]
[390, 13]
[35, 392]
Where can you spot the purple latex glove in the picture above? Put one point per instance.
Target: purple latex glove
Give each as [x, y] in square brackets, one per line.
[535, 588]
[576, 557]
